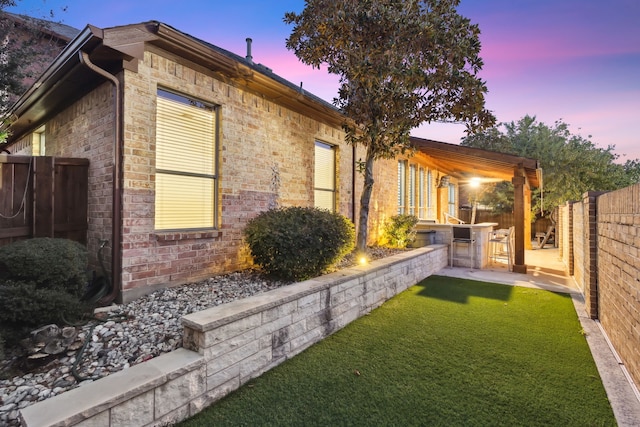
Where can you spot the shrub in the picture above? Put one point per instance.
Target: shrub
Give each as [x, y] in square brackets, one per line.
[48, 263]
[41, 282]
[297, 243]
[399, 230]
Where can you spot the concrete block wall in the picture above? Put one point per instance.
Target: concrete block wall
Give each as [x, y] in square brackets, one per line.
[618, 272]
[228, 345]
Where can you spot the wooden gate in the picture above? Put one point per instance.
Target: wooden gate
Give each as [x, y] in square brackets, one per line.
[43, 197]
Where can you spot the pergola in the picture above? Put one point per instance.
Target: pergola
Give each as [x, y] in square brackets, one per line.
[465, 163]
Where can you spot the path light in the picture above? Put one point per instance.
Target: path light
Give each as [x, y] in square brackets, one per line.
[362, 259]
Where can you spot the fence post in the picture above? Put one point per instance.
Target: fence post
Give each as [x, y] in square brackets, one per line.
[44, 197]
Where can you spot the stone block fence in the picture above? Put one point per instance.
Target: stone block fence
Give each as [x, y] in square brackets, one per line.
[599, 240]
[228, 345]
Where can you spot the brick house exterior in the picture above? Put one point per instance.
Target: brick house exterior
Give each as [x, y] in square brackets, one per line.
[99, 100]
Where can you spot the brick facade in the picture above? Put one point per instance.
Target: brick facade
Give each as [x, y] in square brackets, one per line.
[263, 139]
[619, 272]
[600, 240]
[259, 140]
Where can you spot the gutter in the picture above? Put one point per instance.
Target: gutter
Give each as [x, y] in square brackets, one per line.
[116, 215]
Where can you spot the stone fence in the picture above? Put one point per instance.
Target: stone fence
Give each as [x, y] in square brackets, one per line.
[228, 345]
[600, 244]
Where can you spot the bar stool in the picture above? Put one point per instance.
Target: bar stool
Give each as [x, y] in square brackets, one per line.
[462, 235]
[501, 246]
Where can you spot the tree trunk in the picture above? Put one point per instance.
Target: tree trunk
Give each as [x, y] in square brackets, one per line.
[365, 198]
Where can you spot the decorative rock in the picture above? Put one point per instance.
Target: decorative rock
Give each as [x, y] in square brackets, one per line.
[152, 326]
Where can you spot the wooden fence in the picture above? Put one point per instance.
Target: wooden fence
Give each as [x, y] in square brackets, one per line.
[43, 197]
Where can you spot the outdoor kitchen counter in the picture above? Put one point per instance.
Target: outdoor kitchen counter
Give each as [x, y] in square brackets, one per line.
[482, 232]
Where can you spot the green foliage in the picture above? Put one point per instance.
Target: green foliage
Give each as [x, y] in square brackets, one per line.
[26, 49]
[41, 280]
[58, 264]
[571, 164]
[399, 230]
[400, 64]
[24, 306]
[297, 243]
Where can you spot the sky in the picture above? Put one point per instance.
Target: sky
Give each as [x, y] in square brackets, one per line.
[572, 60]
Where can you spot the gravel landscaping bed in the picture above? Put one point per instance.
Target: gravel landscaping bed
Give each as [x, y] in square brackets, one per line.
[129, 334]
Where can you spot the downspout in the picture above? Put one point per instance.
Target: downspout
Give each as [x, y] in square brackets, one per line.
[116, 215]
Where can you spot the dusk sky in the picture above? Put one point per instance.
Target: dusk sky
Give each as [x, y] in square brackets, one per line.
[575, 60]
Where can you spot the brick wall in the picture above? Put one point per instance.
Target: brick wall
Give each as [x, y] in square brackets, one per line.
[86, 130]
[600, 244]
[258, 138]
[618, 272]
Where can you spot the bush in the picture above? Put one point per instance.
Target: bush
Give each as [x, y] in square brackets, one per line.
[41, 282]
[49, 263]
[399, 230]
[297, 243]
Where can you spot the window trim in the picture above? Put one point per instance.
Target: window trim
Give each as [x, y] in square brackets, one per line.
[176, 96]
[402, 186]
[333, 191]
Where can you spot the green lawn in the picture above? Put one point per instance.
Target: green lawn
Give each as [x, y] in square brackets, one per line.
[447, 352]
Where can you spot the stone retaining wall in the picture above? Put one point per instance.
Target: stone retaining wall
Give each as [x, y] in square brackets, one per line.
[228, 345]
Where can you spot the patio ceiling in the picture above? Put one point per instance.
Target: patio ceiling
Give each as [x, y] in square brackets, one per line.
[465, 163]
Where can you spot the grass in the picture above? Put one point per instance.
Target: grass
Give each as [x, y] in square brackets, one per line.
[447, 352]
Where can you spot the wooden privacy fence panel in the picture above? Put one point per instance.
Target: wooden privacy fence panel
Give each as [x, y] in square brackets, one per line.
[43, 197]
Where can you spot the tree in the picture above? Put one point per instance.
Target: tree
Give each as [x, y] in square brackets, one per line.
[26, 47]
[571, 164]
[401, 63]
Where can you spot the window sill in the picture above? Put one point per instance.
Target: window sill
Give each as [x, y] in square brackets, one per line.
[187, 235]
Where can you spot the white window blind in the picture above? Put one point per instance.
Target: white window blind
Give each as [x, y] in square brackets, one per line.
[401, 186]
[324, 177]
[185, 163]
[421, 189]
[430, 210]
[412, 189]
[452, 200]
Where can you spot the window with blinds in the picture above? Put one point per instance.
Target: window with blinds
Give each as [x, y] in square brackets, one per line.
[430, 211]
[452, 200]
[186, 175]
[402, 191]
[421, 211]
[412, 189]
[324, 177]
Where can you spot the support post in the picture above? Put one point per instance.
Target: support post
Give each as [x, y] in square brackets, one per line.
[518, 215]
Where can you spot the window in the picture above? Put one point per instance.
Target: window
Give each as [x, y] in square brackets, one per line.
[186, 164]
[39, 145]
[452, 200]
[412, 189]
[421, 212]
[430, 212]
[325, 177]
[402, 168]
